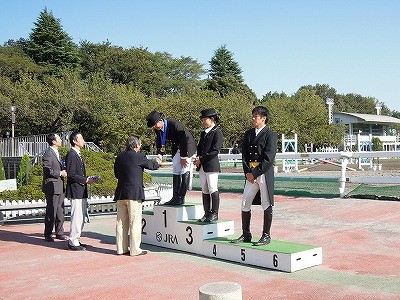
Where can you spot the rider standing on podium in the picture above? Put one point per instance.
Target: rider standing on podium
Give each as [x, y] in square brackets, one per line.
[183, 147]
[258, 156]
[207, 163]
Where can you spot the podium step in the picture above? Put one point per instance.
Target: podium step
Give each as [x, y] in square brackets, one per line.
[279, 255]
[176, 227]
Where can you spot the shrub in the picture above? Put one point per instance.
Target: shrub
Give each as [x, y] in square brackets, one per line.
[376, 146]
[25, 168]
[2, 173]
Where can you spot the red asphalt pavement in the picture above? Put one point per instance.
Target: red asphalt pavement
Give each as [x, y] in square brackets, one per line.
[360, 242]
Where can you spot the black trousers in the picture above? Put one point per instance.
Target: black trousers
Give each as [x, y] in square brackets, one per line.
[54, 214]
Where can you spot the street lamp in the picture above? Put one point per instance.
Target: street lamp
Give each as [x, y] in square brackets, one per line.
[12, 109]
[330, 103]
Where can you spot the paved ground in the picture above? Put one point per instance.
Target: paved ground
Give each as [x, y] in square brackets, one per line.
[361, 258]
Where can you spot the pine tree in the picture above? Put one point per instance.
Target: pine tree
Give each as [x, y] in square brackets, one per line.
[49, 45]
[225, 76]
[223, 65]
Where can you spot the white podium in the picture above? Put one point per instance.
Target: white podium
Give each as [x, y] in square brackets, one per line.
[176, 227]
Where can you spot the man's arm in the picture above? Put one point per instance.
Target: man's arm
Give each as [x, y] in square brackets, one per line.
[73, 170]
[48, 169]
[147, 164]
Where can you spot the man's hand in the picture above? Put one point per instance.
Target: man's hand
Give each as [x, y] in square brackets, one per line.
[250, 177]
[184, 162]
[93, 179]
[196, 161]
[63, 173]
[159, 159]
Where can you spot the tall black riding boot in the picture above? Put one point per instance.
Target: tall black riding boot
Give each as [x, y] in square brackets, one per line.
[215, 207]
[246, 235]
[185, 179]
[206, 206]
[266, 238]
[176, 183]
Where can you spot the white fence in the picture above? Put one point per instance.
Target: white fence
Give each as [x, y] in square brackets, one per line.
[344, 158]
[23, 210]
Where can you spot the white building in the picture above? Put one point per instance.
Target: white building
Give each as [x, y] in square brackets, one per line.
[360, 128]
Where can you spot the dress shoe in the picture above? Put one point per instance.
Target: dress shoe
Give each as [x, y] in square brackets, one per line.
[212, 217]
[83, 245]
[49, 238]
[62, 237]
[264, 240]
[144, 252]
[175, 202]
[244, 238]
[76, 248]
[204, 218]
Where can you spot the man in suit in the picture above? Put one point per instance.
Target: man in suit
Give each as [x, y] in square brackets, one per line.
[53, 188]
[77, 182]
[183, 149]
[258, 156]
[129, 194]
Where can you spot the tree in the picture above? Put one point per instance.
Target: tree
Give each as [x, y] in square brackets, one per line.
[157, 74]
[15, 63]
[226, 76]
[49, 45]
[272, 95]
[222, 64]
[306, 114]
[353, 103]
[322, 90]
[395, 114]
[43, 105]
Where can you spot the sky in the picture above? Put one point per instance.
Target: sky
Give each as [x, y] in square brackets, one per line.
[280, 45]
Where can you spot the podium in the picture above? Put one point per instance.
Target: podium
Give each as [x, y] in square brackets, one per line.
[176, 227]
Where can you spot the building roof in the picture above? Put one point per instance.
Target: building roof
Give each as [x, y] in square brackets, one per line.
[376, 119]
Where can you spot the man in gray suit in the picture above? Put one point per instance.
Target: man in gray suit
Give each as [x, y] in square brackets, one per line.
[53, 188]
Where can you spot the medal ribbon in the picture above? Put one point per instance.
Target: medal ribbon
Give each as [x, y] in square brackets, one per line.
[163, 134]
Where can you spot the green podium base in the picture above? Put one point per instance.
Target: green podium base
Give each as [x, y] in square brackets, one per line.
[279, 255]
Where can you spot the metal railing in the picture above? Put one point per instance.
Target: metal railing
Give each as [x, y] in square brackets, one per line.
[92, 146]
[34, 145]
[24, 145]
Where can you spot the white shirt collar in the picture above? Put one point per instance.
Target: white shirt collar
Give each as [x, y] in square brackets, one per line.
[259, 129]
[207, 130]
[54, 149]
[77, 151]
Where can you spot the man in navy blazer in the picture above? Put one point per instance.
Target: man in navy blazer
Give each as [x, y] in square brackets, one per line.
[53, 188]
[77, 193]
[129, 194]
